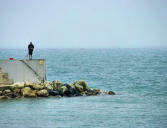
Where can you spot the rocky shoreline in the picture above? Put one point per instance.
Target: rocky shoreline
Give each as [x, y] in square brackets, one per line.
[54, 88]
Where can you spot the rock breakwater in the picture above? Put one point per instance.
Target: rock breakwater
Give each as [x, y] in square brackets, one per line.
[54, 88]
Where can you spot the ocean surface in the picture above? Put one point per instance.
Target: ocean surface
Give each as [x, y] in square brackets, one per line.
[138, 76]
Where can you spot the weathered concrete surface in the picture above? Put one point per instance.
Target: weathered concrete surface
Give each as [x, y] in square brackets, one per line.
[4, 79]
[25, 70]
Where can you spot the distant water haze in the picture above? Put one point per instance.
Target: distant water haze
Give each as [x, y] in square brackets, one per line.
[83, 23]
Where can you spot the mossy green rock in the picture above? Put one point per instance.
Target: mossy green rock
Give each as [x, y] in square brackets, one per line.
[83, 84]
[79, 87]
[72, 86]
[63, 89]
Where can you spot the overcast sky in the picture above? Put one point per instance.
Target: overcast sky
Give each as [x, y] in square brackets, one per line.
[83, 23]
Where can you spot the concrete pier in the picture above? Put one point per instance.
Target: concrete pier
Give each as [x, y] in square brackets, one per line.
[24, 70]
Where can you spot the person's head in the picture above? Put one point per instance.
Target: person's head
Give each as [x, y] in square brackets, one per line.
[30, 42]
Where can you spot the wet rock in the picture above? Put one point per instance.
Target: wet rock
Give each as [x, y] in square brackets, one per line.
[67, 90]
[43, 93]
[27, 92]
[111, 93]
[70, 91]
[77, 93]
[67, 93]
[53, 92]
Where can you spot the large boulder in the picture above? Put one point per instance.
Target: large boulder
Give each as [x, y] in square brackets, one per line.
[48, 86]
[63, 89]
[28, 84]
[81, 83]
[69, 86]
[34, 86]
[43, 93]
[37, 86]
[18, 85]
[79, 87]
[7, 93]
[27, 92]
[57, 85]
[70, 90]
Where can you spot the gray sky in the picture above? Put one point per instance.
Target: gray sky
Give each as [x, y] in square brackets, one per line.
[83, 23]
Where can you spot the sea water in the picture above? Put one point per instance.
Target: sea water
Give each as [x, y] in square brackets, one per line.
[138, 77]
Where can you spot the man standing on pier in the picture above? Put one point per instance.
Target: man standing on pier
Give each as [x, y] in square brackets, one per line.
[30, 50]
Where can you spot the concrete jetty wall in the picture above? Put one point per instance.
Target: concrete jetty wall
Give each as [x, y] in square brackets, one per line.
[25, 70]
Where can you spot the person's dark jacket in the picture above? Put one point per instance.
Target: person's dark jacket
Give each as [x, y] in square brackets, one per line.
[30, 48]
